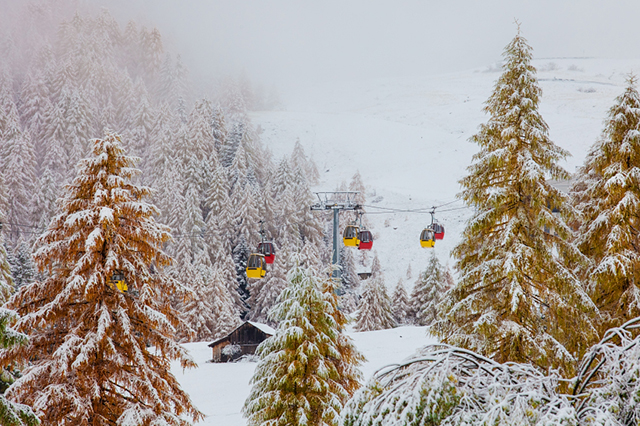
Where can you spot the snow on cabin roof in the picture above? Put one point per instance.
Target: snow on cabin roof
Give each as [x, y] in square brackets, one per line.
[263, 327]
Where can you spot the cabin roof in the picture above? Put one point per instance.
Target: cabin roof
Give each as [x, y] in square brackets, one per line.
[262, 327]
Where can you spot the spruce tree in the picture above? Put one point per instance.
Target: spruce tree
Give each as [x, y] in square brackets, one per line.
[100, 355]
[607, 194]
[6, 279]
[374, 309]
[350, 281]
[19, 169]
[11, 413]
[400, 304]
[516, 300]
[428, 292]
[308, 369]
[209, 310]
[23, 269]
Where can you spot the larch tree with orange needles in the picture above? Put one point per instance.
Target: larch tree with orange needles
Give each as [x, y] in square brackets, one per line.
[100, 354]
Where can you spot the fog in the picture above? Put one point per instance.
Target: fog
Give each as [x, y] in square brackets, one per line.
[291, 40]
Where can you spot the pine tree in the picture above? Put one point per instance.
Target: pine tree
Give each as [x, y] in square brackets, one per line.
[6, 279]
[23, 270]
[516, 301]
[400, 303]
[12, 414]
[607, 194]
[349, 276]
[219, 128]
[300, 160]
[99, 355]
[308, 369]
[374, 310]
[240, 257]
[210, 311]
[19, 169]
[428, 292]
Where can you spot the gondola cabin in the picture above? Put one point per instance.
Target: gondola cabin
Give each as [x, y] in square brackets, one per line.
[350, 236]
[427, 238]
[438, 231]
[366, 240]
[117, 281]
[267, 249]
[256, 266]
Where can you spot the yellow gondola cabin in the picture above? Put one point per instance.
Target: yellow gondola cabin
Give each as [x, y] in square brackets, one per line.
[117, 281]
[350, 236]
[256, 266]
[427, 238]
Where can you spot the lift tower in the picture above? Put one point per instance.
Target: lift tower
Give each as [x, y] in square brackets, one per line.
[336, 201]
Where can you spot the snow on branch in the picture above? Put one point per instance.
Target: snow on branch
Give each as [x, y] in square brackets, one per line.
[442, 384]
[608, 382]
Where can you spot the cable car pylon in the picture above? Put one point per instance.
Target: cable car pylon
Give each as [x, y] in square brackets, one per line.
[336, 201]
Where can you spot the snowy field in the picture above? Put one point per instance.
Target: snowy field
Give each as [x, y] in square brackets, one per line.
[409, 140]
[219, 390]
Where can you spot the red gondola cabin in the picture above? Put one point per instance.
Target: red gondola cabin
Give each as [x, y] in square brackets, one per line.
[366, 240]
[438, 231]
[268, 250]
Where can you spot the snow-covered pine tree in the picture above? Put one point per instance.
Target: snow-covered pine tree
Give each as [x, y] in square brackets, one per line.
[240, 257]
[350, 281]
[19, 168]
[218, 128]
[12, 414]
[444, 385]
[428, 291]
[300, 160]
[308, 369]
[400, 303]
[376, 267]
[210, 311]
[349, 360]
[6, 279]
[607, 194]
[23, 270]
[374, 309]
[516, 300]
[99, 355]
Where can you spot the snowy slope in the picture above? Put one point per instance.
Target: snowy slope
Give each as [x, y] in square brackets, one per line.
[409, 140]
[219, 390]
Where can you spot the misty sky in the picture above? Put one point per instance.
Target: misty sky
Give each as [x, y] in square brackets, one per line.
[305, 40]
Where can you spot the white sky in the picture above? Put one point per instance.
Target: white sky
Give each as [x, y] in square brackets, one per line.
[309, 40]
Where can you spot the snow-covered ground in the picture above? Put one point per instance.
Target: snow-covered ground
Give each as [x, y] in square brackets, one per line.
[409, 140]
[219, 390]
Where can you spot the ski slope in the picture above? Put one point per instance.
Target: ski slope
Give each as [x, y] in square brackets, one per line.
[409, 140]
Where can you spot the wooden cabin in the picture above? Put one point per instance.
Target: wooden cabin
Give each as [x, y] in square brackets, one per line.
[242, 341]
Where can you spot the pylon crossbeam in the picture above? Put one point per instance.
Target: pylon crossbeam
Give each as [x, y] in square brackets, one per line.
[336, 200]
